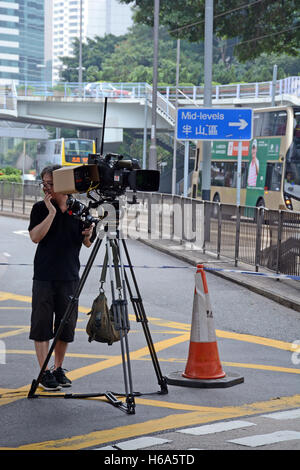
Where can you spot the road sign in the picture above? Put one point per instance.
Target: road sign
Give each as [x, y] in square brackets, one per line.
[214, 124]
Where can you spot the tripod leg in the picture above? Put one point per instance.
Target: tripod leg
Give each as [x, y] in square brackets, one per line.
[120, 311]
[67, 314]
[142, 318]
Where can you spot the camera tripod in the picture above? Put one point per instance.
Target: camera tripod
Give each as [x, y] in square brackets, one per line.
[114, 255]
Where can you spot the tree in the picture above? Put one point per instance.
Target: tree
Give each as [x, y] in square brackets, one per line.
[257, 26]
[130, 59]
[94, 52]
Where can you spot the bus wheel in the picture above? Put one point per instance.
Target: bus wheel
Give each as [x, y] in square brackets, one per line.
[216, 198]
[261, 202]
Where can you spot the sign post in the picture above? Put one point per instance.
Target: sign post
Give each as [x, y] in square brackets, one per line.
[210, 124]
[239, 174]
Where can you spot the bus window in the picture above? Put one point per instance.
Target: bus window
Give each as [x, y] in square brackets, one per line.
[273, 176]
[269, 123]
[292, 179]
[280, 123]
[217, 174]
[244, 173]
[257, 124]
[71, 147]
[78, 150]
[296, 139]
[222, 174]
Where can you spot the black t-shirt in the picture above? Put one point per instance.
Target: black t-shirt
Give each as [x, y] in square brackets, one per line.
[57, 254]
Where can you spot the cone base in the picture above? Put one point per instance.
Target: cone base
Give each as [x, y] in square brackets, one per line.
[230, 379]
[203, 362]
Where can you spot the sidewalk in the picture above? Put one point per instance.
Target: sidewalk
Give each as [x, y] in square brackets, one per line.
[283, 291]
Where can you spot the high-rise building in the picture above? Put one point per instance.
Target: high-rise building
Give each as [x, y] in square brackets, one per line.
[99, 17]
[21, 40]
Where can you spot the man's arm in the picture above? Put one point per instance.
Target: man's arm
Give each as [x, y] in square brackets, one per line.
[40, 231]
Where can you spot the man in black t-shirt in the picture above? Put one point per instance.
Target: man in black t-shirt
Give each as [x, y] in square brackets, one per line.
[56, 274]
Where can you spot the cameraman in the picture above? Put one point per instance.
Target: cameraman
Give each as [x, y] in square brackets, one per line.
[56, 273]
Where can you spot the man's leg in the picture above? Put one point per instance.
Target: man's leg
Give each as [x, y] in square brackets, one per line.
[41, 349]
[48, 381]
[60, 351]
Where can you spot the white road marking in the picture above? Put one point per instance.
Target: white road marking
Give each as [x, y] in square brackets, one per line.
[264, 439]
[217, 427]
[290, 414]
[135, 444]
[22, 232]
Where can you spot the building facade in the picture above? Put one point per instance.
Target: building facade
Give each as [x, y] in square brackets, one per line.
[21, 40]
[99, 17]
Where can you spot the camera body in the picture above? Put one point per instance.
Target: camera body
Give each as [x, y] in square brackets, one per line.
[108, 175]
[80, 211]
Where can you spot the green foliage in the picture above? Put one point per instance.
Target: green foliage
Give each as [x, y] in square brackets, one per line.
[94, 52]
[130, 59]
[8, 173]
[261, 26]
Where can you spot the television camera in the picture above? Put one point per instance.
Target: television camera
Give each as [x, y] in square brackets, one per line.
[103, 179]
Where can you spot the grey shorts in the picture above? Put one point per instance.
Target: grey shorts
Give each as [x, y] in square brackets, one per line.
[49, 304]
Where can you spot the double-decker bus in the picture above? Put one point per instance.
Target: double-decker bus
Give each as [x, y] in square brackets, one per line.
[64, 152]
[270, 169]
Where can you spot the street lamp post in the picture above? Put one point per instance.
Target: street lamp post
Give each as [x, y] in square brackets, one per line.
[80, 51]
[174, 175]
[153, 150]
[208, 55]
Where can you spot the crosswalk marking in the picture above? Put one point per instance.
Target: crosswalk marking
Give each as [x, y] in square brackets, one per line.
[263, 439]
[136, 444]
[290, 414]
[216, 427]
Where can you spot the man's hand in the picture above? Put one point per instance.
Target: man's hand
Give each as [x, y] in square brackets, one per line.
[49, 205]
[87, 233]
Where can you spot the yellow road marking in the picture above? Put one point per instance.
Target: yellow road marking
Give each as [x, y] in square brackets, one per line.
[274, 343]
[14, 332]
[174, 421]
[116, 360]
[286, 370]
[182, 326]
[198, 415]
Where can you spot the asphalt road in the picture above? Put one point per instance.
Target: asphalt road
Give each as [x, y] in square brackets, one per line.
[255, 337]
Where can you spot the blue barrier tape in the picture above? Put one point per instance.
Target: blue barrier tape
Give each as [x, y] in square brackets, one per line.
[274, 276]
[100, 266]
[236, 271]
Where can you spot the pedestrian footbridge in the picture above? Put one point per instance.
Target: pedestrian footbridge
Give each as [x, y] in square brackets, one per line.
[129, 104]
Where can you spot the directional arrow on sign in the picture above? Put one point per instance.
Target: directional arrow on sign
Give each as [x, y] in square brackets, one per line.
[241, 124]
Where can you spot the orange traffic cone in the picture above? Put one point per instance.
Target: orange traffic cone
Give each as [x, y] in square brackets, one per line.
[203, 359]
[203, 368]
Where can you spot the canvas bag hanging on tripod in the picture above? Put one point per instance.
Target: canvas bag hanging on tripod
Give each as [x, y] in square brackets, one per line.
[101, 326]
